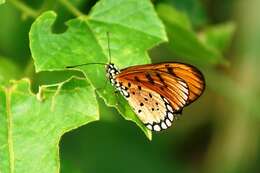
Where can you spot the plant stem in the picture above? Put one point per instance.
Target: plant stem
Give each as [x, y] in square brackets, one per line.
[47, 5]
[71, 8]
[24, 8]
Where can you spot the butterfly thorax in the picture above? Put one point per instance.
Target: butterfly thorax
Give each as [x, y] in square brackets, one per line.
[112, 71]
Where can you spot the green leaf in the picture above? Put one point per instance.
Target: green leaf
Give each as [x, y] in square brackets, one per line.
[2, 1]
[31, 126]
[194, 9]
[174, 16]
[67, 167]
[184, 42]
[218, 37]
[8, 70]
[133, 26]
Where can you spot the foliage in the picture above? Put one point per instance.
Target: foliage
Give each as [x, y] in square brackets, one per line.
[45, 100]
[8, 71]
[31, 126]
[185, 43]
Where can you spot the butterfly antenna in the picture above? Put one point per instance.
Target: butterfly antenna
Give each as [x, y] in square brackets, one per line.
[73, 66]
[108, 46]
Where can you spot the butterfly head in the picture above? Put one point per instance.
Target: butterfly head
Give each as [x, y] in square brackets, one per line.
[112, 71]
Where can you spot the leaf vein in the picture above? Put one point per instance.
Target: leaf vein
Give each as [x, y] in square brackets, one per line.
[10, 130]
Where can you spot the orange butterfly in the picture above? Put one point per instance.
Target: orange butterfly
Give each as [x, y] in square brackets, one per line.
[156, 92]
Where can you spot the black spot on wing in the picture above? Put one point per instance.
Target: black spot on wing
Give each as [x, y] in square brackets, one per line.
[160, 78]
[137, 79]
[149, 77]
[170, 70]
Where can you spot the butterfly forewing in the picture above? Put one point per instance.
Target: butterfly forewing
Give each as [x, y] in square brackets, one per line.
[170, 87]
[191, 75]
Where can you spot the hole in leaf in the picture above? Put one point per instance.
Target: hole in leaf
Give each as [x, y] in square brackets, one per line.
[47, 78]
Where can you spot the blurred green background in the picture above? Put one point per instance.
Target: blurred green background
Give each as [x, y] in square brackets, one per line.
[218, 133]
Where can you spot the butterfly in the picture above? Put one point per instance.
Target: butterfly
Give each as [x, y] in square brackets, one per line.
[157, 93]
